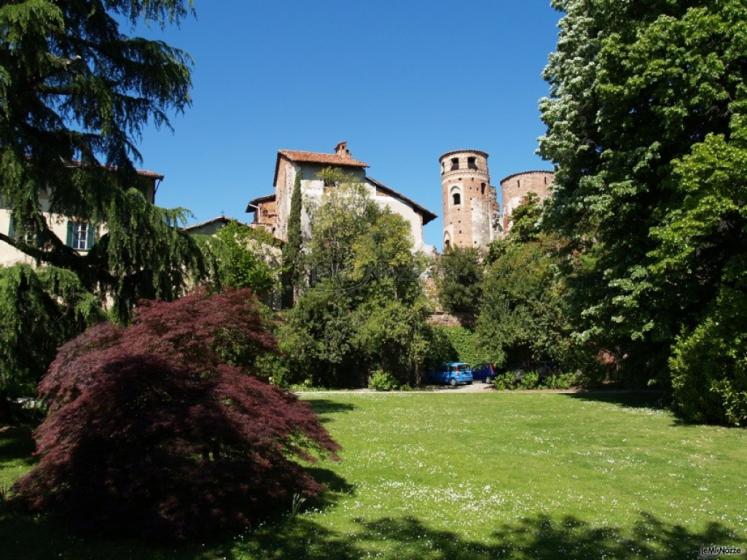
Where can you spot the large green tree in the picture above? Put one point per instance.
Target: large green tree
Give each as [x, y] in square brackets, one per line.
[646, 125]
[364, 308]
[75, 94]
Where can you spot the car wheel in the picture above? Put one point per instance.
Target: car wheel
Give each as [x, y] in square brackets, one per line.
[452, 382]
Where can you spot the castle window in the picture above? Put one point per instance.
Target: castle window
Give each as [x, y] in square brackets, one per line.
[456, 198]
[454, 163]
[471, 163]
[518, 184]
[482, 188]
[80, 236]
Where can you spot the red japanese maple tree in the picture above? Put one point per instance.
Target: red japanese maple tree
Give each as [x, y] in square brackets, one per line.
[151, 432]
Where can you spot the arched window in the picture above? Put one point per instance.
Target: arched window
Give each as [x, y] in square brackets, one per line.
[456, 198]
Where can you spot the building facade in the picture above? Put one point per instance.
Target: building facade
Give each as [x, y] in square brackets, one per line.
[75, 233]
[472, 215]
[271, 211]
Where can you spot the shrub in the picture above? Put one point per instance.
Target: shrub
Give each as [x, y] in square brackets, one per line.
[505, 381]
[561, 381]
[150, 433]
[382, 381]
[530, 380]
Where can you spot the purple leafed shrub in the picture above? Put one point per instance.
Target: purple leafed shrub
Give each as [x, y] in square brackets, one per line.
[150, 433]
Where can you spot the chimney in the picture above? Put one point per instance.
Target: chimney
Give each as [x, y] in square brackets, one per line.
[342, 149]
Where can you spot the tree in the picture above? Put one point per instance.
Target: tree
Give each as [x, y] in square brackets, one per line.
[243, 257]
[459, 279]
[38, 312]
[292, 265]
[523, 317]
[156, 429]
[646, 123]
[75, 94]
[364, 308]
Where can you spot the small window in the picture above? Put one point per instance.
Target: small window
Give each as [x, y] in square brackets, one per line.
[482, 188]
[457, 198]
[471, 163]
[80, 236]
[518, 184]
[454, 163]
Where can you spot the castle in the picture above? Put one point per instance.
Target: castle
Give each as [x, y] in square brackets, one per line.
[472, 216]
[271, 211]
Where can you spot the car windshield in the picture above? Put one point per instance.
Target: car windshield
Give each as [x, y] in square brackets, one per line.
[460, 367]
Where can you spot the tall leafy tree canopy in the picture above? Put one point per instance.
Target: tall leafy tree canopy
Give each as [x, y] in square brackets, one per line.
[646, 124]
[75, 94]
[364, 308]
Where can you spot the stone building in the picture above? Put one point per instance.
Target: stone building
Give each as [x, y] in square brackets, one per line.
[515, 187]
[470, 205]
[472, 215]
[75, 233]
[271, 211]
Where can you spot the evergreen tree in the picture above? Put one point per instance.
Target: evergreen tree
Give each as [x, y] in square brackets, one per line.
[75, 93]
[646, 125]
[292, 265]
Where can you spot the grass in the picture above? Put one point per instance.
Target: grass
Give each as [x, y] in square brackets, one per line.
[473, 476]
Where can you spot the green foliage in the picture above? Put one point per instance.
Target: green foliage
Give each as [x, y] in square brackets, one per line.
[709, 365]
[292, 265]
[561, 381]
[243, 257]
[461, 345]
[364, 308]
[646, 125]
[459, 275]
[75, 94]
[505, 381]
[39, 310]
[382, 381]
[512, 380]
[530, 380]
[523, 319]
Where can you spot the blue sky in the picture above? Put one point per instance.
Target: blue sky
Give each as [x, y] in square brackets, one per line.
[401, 81]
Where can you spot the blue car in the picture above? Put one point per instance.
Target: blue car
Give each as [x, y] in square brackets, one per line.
[452, 373]
[484, 372]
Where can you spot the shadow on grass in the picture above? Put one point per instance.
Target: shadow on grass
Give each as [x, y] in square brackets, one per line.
[628, 399]
[403, 538]
[325, 406]
[16, 443]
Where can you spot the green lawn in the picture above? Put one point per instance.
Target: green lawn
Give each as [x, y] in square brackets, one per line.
[477, 475]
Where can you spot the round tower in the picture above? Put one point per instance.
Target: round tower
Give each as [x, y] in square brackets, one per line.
[470, 206]
[516, 187]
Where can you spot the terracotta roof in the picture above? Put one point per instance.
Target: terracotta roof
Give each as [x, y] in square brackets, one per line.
[151, 174]
[428, 216]
[141, 172]
[219, 219]
[324, 159]
[549, 172]
[299, 156]
[259, 200]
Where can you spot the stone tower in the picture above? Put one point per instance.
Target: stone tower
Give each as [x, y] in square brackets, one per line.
[516, 187]
[469, 201]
